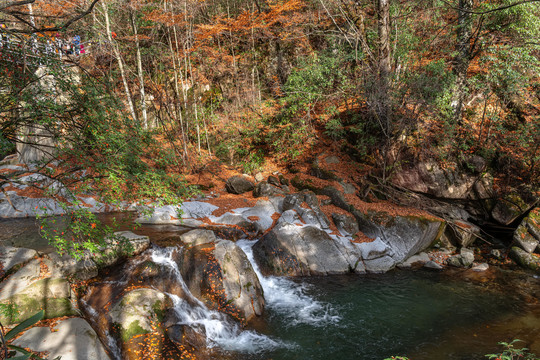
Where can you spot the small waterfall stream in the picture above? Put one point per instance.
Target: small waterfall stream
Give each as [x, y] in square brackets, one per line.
[288, 298]
[218, 329]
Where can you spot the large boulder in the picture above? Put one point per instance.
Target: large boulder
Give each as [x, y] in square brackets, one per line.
[70, 339]
[289, 249]
[221, 275]
[36, 286]
[136, 321]
[429, 178]
[238, 185]
[120, 246]
[265, 189]
[404, 235]
[306, 204]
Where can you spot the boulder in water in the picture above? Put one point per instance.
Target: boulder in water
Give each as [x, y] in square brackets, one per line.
[525, 259]
[289, 249]
[221, 275]
[136, 321]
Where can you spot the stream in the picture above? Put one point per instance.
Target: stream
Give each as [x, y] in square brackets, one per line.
[425, 315]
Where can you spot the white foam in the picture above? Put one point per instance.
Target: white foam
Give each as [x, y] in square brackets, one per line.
[289, 298]
[218, 329]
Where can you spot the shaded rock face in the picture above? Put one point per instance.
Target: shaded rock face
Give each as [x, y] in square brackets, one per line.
[462, 233]
[221, 275]
[404, 235]
[238, 185]
[72, 339]
[512, 206]
[429, 178]
[305, 250]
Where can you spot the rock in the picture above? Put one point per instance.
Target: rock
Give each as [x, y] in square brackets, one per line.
[421, 258]
[346, 224]
[259, 177]
[140, 312]
[294, 250]
[290, 216]
[197, 209]
[480, 267]
[433, 265]
[261, 213]
[525, 259]
[11, 258]
[240, 226]
[265, 189]
[122, 245]
[312, 215]
[429, 178]
[462, 233]
[377, 256]
[221, 275]
[272, 180]
[238, 185]
[464, 259]
[72, 339]
[240, 283]
[198, 237]
[496, 253]
[283, 180]
[167, 214]
[332, 159]
[511, 206]
[524, 239]
[31, 292]
[404, 235]
[83, 269]
[347, 188]
[527, 234]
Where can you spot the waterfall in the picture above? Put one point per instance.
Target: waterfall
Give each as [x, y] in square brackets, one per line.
[219, 330]
[289, 298]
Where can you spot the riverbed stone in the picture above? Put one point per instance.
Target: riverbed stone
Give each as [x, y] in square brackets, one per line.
[83, 269]
[464, 259]
[11, 258]
[198, 237]
[120, 246]
[432, 265]
[72, 339]
[480, 267]
[238, 185]
[260, 214]
[421, 258]
[524, 239]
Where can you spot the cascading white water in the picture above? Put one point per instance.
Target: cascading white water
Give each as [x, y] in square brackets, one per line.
[217, 328]
[288, 298]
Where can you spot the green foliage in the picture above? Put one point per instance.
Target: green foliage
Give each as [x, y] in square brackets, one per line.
[511, 353]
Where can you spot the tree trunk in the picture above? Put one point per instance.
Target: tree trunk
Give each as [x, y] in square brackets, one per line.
[140, 73]
[383, 99]
[120, 63]
[462, 58]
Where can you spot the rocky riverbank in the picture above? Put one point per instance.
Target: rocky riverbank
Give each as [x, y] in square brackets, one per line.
[152, 302]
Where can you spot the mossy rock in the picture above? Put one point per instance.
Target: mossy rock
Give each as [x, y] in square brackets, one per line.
[51, 295]
[524, 259]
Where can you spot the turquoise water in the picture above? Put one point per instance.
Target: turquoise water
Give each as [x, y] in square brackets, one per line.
[419, 314]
